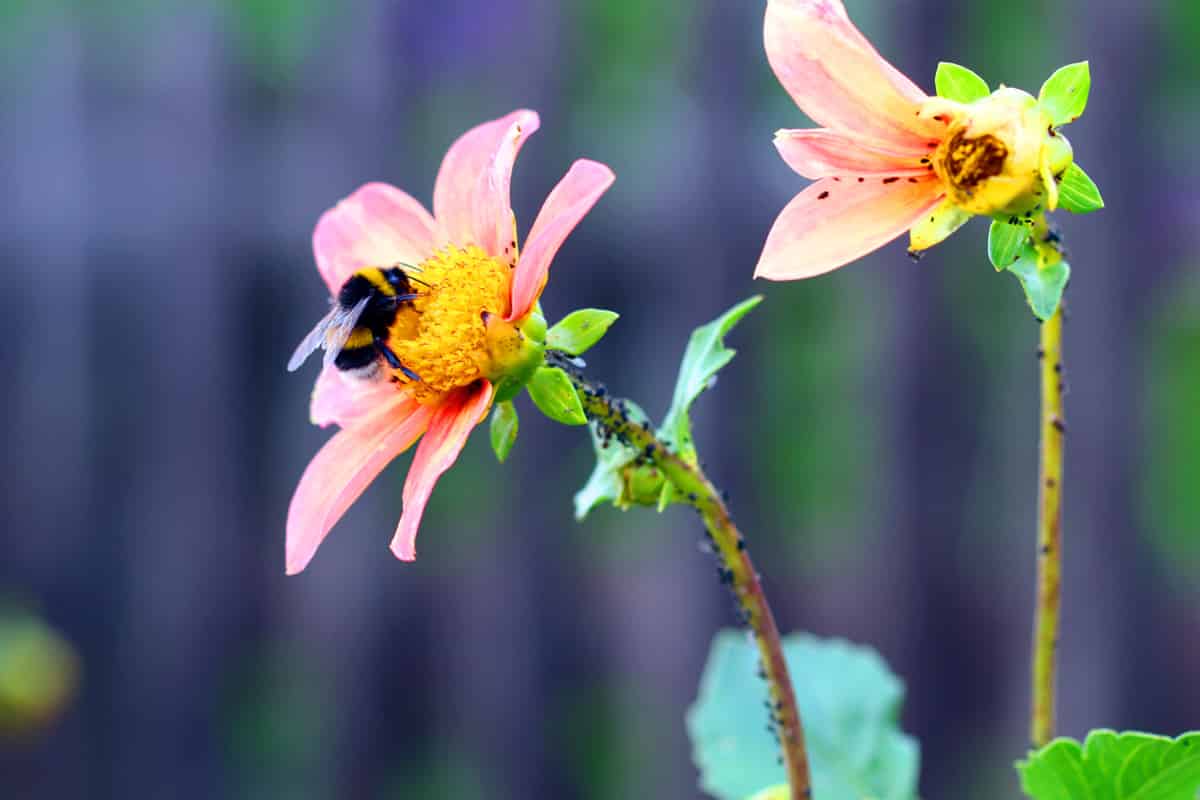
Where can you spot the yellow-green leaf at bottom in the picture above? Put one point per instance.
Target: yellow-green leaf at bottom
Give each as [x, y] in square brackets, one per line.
[1114, 766]
[936, 226]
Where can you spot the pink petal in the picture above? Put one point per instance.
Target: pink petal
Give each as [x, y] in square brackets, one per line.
[378, 225]
[838, 79]
[341, 470]
[340, 399]
[833, 222]
[565, 206]
[820, 153]
[471, 195]
[452, 422]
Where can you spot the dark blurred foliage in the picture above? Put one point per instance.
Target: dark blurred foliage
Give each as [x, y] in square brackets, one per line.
[164, 163]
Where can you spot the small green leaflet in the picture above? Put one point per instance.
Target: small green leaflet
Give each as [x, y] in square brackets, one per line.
[1114, 766]
[1078, 193]
[503, 430]
[706, 354]
[579, 330]
[955, 82]
[612, 456]
[554, 395]
[1064, 95]
[1043, 285]
[1005, 242]
[849, 701]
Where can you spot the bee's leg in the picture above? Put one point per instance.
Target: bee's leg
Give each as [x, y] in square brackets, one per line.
[392, 360]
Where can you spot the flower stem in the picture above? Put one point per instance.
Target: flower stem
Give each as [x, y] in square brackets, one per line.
[736, 569]
[1049, 571]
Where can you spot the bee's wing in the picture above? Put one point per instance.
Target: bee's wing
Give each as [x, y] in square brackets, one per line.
[331, 333]
[341, 325]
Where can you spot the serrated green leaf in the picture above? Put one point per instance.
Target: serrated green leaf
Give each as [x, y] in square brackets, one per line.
[955, 82]
[1005, 242]
[706, 354]
[1043, 285]
[579, 330]
[503, 430]
[1114, 766]
[850, 704]
[606, 484]
[1078, 193]
[1064, 95]
[555, 396]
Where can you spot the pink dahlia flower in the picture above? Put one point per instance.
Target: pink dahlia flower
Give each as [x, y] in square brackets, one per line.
[462, 332]
[890, 158]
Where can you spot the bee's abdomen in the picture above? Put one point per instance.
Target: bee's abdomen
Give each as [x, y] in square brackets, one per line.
[351, 359]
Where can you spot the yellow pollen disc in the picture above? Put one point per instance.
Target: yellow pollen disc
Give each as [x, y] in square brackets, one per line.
[442, 337]
[965, 163]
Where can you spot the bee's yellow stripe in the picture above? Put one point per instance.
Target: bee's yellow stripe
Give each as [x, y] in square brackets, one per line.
[374, 275]
[359, 337]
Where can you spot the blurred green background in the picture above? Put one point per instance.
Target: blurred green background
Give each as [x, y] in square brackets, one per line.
[164, 163]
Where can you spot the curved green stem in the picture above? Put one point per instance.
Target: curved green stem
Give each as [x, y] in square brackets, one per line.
[737, 570]
[1049, 573]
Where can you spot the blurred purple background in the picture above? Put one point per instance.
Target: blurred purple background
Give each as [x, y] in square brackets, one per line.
[164, 163]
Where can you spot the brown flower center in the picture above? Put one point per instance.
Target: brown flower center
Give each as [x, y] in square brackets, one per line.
[966, 163]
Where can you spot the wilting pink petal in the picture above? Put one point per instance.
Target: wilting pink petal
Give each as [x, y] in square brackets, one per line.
[341, 470]
[565, 206]
[820, 153]
[471, 195]
[378, 225]
[838, 79]
[452, 423]
[833, 222]
[341, 399]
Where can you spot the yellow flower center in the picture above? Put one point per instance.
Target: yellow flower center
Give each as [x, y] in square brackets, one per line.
[444, 337]
[966, 163]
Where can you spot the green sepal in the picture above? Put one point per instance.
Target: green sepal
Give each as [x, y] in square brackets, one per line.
[1077, 192]
[613, 459]
[579, 330]
[503, 430]
[849, 701]
[1064, 95]
[1005, 241]
[778, 792]
[555, 396]
[956, 82]
[1114, 766]
[1043, 284]
[706, 354]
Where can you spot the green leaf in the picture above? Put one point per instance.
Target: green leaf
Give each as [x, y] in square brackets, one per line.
[607, 484]
[503, 430]
[579, 330]
[1114, 766]
[1005, 242]
[849, 702]
[555, 396]
[956, 82]
[1064, 95]
[1078, 193]
[779, 792]
[1043, 285]
[705, 355]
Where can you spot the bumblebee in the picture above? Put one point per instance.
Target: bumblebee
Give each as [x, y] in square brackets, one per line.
[354, 333]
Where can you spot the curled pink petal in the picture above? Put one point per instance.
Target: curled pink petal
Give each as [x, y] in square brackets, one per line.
[565, 206]
[378, 225]
[821, 153]
[838, 79]
[833, 222]
[471, 195]
[341, 399]
[341, 470]
[449, 428]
